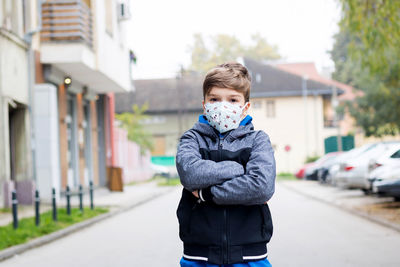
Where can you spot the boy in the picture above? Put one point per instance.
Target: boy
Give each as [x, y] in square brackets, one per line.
[228, 173]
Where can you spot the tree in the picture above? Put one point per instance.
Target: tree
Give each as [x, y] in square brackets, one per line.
[366, 55]
[228, 48]
[133, 123]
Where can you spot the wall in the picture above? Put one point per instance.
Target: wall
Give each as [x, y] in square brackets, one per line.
[167, 126]
[111, 51]
[14, 92]
[136, 167]
[290, 126]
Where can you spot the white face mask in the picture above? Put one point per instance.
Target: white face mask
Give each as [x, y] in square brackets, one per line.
[223, 116]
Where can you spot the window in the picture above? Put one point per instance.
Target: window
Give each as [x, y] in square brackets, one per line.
[271, 108]
[258, 78]
[109, 16]
[256, 104]
[396, 155]
[12, 16]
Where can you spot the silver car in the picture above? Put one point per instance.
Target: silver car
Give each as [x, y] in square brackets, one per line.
[354, 172]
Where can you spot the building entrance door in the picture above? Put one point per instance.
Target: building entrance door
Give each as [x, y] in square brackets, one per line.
[72, 152]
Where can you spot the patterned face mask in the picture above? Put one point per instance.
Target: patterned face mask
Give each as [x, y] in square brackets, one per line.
[223, 116]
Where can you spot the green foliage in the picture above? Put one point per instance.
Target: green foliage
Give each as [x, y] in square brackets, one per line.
[228, 48]
[164, 181]
[27, 229]
[5, 210]
[132, 122]
[366, 56]
[311, 159]
[285, 176]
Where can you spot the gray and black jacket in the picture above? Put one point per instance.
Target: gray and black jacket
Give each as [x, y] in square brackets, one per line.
[235, 176]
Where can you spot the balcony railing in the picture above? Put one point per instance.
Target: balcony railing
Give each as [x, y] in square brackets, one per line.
[66, 21]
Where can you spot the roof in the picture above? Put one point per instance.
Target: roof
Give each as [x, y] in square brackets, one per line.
[309, 69]
[270, 81]
[164, 95]
[172, 95]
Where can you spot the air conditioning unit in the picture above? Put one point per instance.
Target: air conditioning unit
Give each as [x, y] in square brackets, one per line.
[123, 10]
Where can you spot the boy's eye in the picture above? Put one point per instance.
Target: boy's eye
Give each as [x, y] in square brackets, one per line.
[234, 100]
[213, 100]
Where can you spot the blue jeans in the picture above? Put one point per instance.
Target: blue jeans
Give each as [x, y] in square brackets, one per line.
[260, 263]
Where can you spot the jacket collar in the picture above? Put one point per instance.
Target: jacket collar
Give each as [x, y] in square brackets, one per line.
[203, 127]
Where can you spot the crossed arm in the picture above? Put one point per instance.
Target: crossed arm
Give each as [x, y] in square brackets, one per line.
[226, 182]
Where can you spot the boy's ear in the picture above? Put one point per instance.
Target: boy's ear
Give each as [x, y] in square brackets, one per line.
[204, 109]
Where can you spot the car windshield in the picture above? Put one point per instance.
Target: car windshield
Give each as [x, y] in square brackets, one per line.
[355, 152]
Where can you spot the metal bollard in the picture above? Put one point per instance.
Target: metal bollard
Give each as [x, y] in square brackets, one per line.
[54, 204]
[80, 198]
[37, 203]
[14, 209]
[68, 195]
[91, 194]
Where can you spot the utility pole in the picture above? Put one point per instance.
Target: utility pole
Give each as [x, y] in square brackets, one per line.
[304, 92]
[180, 112]
[335, 104]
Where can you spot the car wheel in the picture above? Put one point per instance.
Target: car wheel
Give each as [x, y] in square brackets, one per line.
[366, 191]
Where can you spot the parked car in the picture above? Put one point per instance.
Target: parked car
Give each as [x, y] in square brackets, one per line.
[386, 166]
[334, 170]
[388, 188]
[387, 172]
[354, 172]
[323, 170]
[301, 172]
[312, 172]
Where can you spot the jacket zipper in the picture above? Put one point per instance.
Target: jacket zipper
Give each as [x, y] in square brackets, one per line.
[225, 227]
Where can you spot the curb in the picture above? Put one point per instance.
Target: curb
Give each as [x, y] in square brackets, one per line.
[18, 249]
[358, 213]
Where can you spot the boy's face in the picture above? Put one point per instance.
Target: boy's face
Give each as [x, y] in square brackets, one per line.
[217, 94]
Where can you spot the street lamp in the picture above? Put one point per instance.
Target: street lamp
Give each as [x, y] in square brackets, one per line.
[67, 80]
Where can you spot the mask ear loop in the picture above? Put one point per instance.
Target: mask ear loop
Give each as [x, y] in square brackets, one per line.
[244, 106]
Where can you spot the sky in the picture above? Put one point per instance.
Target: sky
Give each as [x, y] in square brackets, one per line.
[161, 31]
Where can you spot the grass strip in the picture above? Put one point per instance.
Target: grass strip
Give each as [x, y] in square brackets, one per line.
[27, 229]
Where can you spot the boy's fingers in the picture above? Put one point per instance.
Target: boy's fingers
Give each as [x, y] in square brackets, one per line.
[196, 193]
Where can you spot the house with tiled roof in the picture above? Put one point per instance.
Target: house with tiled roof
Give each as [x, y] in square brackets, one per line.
[292, 110]
[347, 124]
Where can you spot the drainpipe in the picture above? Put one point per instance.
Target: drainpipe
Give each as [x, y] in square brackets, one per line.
[31, 74]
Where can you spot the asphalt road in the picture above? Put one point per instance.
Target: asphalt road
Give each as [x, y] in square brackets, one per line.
[307, 233]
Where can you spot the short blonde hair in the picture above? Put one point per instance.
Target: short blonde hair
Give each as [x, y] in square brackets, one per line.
[231, 75]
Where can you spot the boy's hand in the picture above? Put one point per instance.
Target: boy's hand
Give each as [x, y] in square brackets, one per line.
[196, 193]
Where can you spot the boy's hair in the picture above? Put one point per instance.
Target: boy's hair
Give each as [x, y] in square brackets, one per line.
[231, 75]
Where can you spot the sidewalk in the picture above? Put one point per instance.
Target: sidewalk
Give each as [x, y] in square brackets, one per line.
[117, 202]
[381, 210]
[131, 196]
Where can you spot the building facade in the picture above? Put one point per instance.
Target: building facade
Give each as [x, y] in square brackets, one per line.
[295, 112]
[15, 146]
[82, 59]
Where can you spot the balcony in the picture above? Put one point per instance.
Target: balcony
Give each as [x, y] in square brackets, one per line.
[68, 48]
[66, 21]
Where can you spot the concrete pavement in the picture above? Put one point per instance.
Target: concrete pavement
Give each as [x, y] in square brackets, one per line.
[353, 201]
[117, 202]
[307, 232]
[145, 236]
